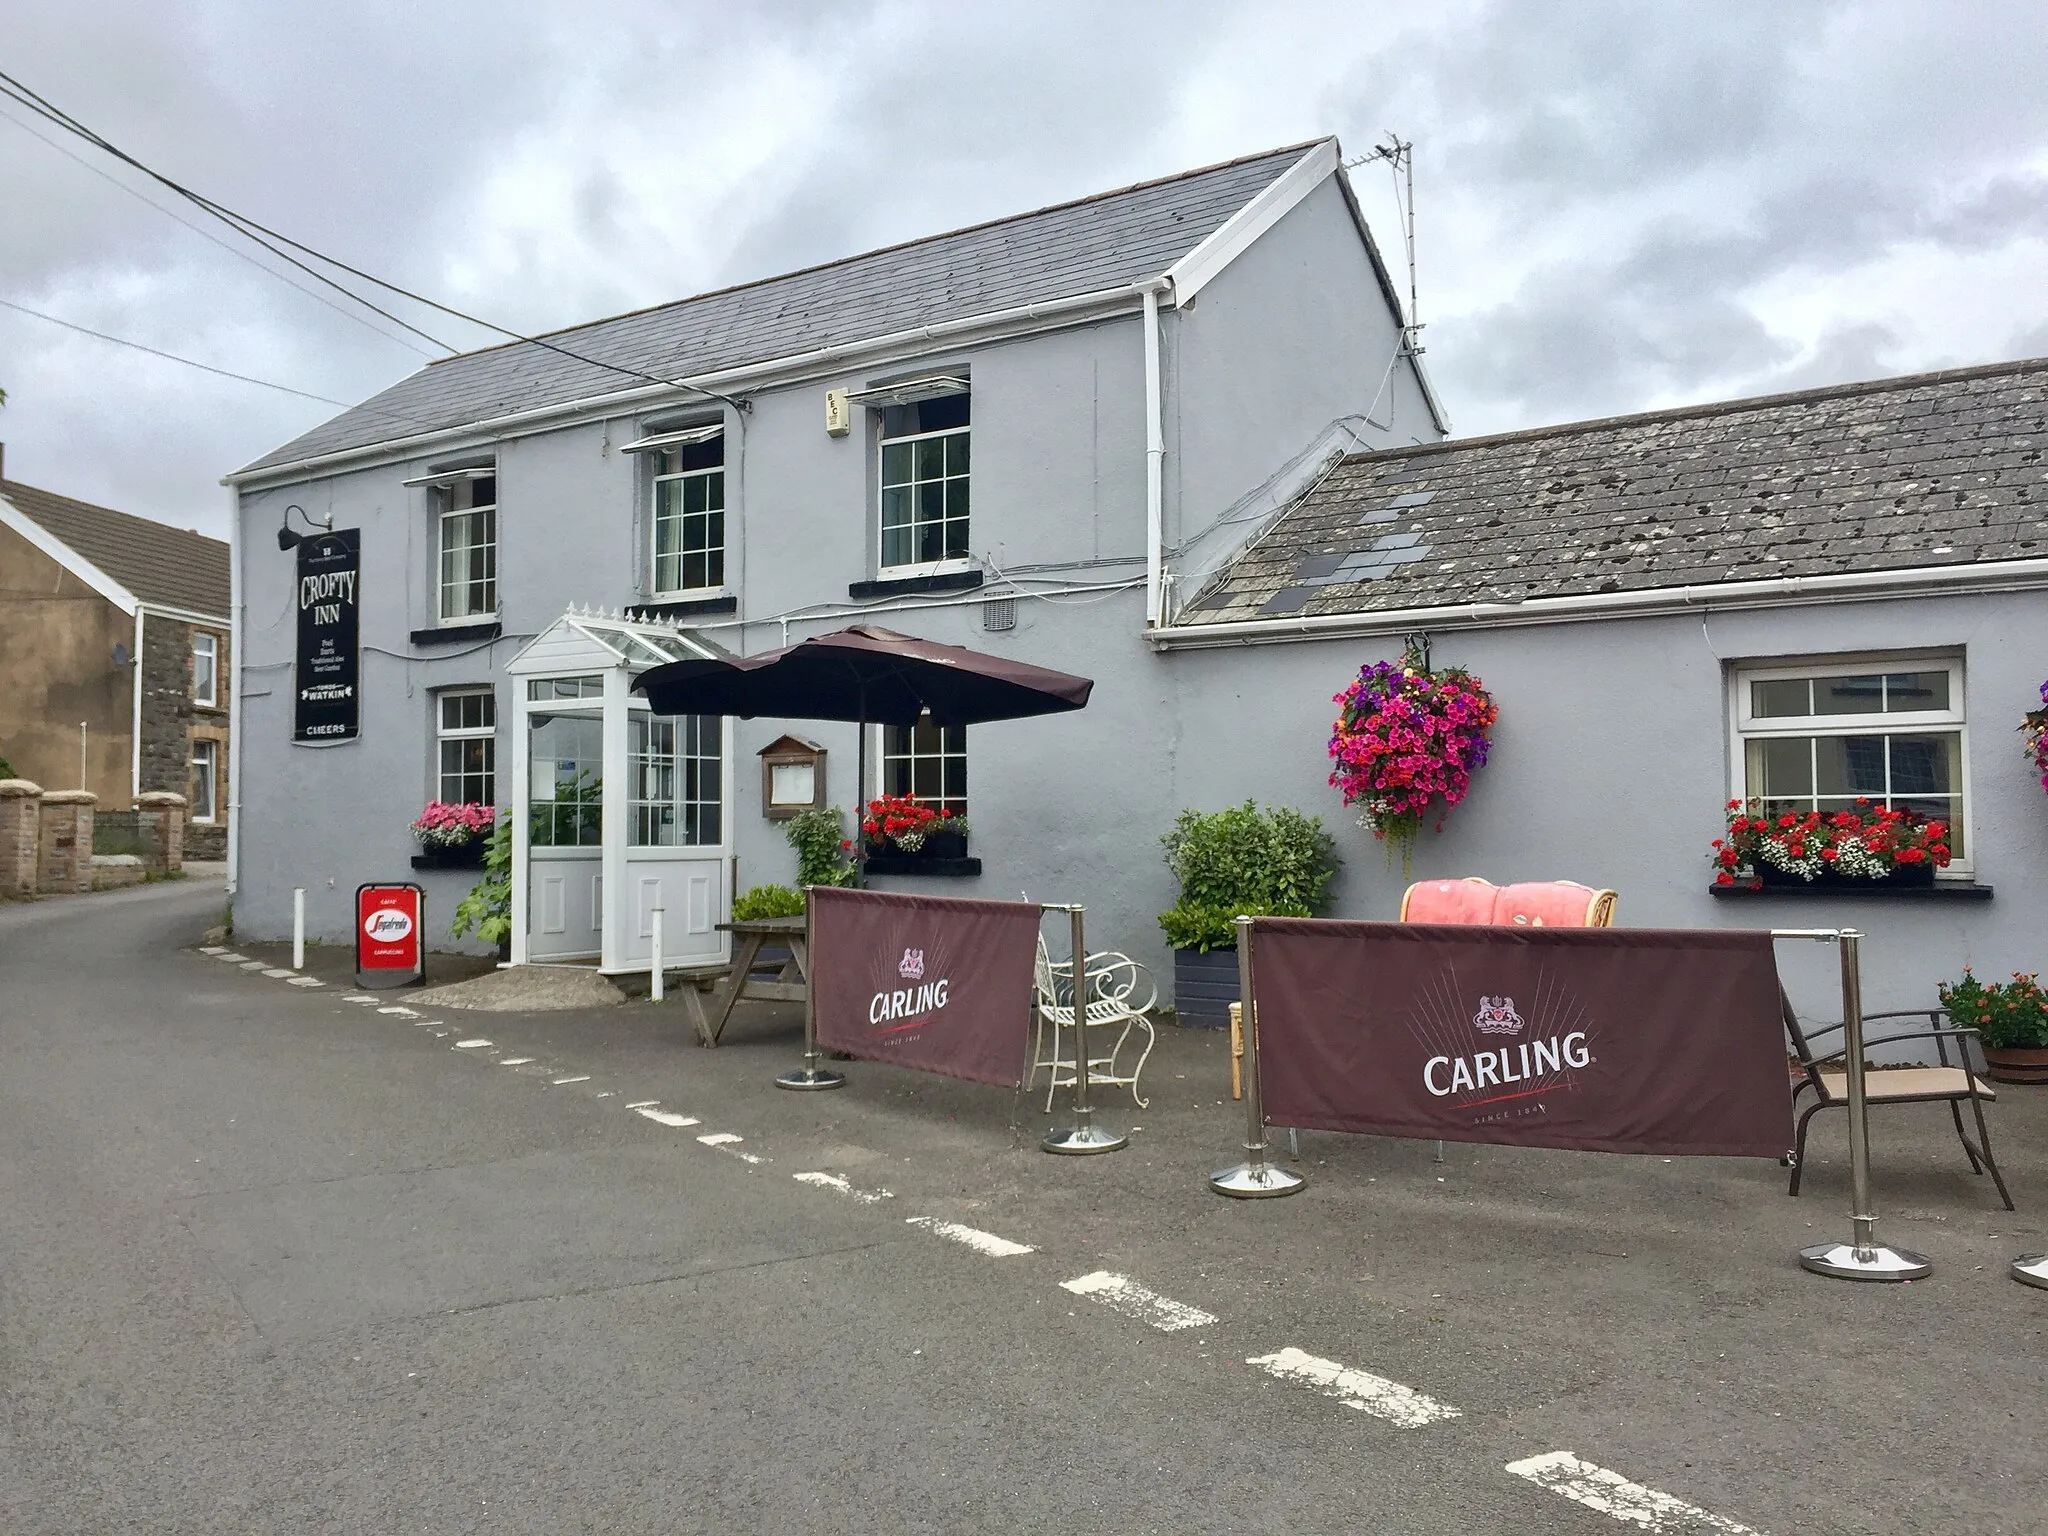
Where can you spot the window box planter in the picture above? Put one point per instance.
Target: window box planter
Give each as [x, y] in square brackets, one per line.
[468, 856]
[1204, 986]
[1901, 877]
[936, 845]
[2016, 1064]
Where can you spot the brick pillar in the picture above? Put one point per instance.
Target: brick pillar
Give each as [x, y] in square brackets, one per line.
[64, 860]
[21, 820]
[163, 815]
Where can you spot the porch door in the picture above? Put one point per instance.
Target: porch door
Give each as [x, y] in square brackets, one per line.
[565, 857]
[678, 839]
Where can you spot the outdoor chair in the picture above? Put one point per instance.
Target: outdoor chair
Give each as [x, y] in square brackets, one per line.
[1118, 993]
[1950, 1083]
[1531, 904]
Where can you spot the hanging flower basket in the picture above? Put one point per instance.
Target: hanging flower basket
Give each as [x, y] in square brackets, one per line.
[1406, 743]
[2034, 731]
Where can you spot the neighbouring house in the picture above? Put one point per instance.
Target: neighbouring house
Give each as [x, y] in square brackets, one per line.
[1810, 599]
[1030, 436]
[115, 657]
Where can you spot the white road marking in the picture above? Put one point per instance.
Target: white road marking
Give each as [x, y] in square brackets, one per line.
[720, 1139]
[360, 997]
[230, 956]
[833, 1181]
[1375, 1395]
[663, 1116]
[642, 1103]
[471, 1045]
[516, 1061]
[211, 949]
[583, 1079]
[981, 1242]
[271, 970]
[307, 981]
[255, 965]
[1120, 1293]
[1612, 1494]
[403, 1013]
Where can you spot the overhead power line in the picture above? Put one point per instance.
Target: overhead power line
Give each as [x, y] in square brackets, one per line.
[169, 357]
[272, 241]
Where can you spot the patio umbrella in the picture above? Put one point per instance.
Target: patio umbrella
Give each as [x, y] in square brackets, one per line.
[867, 675]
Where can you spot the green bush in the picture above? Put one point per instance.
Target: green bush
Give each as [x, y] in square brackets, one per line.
[487, 909]
[1244, 862]
[2007, 1015]
[767, 901]
[819, 838]
[6, 768]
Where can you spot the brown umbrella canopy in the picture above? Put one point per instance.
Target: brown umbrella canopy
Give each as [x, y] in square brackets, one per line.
[874, 676]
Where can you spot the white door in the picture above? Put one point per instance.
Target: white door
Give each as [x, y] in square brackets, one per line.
[565, 859]
[678, 839]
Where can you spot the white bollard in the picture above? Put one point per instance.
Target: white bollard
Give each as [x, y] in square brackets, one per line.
[655, 964]
[298, 927]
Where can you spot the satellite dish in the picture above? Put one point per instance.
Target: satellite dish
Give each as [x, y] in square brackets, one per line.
[121, 657]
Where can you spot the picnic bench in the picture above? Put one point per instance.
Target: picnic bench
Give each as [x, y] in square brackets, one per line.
[787, 979]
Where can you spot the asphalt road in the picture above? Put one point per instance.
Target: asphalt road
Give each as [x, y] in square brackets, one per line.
[274, 1261]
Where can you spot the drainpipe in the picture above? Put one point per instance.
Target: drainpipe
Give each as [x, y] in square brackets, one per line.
[1155, 456]
[230, 675]
[135, 701]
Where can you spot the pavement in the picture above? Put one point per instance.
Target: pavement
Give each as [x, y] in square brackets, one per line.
[276, 1260]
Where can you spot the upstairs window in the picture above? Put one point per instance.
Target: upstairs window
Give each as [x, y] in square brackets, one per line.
[205, 669]
[466, 737]
[689, 514]
[1826, 736]
[924, 482]
[467, 543]
[927, 762]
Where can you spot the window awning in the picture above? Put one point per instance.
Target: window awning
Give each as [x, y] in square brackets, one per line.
[654, 442]
[909, 391]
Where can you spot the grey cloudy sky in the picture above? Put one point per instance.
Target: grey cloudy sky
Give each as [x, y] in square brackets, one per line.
[1623, 205]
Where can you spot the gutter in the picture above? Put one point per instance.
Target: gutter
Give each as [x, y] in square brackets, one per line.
[1776, 592]
[1102, 303]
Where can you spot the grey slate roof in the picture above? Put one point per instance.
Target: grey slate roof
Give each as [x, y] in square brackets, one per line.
[159, 564]
[1097, 243]
[1935, 469]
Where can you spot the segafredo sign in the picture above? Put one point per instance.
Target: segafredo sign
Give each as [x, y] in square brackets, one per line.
[388, 924]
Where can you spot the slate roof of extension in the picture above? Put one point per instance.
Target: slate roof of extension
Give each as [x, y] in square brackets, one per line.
[1097, 243]
[1936, 469]
[174, 567]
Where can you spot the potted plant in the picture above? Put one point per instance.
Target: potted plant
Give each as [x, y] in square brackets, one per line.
[822, 846]
[2011, 1021]
[1406, 742]
[452, 836]
[899, 825]
[2034, 731]
[1840, 849]
[1241, 862]
[487, 910]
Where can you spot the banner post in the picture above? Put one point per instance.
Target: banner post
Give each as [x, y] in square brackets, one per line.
[1084, 1136]
[2031, 1269]
[810, 1076]
[1252, 1179]
[1862, 1257]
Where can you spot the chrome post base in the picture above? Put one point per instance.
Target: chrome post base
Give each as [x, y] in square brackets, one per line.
[1083, 1140]
[1261, 1182]
[2031, 1269]
[1844, 1262]
[810, 1078]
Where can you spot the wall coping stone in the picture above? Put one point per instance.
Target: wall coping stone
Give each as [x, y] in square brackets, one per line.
[70, 797]
[19, 789]
[160, 799]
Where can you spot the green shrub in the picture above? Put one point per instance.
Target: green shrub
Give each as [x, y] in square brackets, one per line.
[822, 852]
[487, 909]
[1244, 862]
[764, 901]
[2007, 1015]
[6, 768]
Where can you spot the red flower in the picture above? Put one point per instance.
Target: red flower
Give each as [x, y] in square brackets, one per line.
[1724, 878]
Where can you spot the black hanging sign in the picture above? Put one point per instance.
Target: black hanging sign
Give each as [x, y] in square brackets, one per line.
[326, 706]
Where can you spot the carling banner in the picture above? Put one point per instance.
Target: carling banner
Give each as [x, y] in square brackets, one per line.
[1598, 1039]
[927, 982]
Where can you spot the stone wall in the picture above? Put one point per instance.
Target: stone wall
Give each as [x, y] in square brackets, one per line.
[64, 853]
[21, 806]
[171, 722]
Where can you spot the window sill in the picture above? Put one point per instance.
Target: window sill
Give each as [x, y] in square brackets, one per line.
[685, 607]
[455, 634]
[898, 586]
[1941, 890]
[937, 869]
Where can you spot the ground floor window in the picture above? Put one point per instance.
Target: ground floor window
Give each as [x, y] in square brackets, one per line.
[677, 764]
[205, 779]
[466, 730]
[566, 760]
[928, 762]
[1832, 735]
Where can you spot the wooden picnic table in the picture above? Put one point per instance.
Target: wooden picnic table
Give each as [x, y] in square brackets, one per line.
[790, 983]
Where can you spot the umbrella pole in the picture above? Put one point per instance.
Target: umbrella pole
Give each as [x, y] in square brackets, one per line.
[860, 791]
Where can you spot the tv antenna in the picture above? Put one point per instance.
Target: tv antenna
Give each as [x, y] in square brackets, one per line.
[1399, 154]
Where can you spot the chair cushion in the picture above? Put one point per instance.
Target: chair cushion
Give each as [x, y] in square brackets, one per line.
[1545, 904]
[1449, 901]
[1907, 1083]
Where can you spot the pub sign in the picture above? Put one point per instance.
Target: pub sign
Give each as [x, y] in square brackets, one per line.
[327, 674]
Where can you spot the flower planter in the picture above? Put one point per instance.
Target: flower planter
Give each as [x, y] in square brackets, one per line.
[936, 845]
[1204, 986]
[2016, 1064]
[1902, 876]
[467, 856]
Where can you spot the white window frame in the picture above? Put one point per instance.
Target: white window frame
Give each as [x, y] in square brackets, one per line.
[656, 481]
[443, 733]
[211, 757]
[1745, 726]
[883, 757]
[444, 512]
[207, 646]
[877, 398]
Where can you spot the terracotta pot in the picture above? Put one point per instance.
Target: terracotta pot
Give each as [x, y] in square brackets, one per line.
[2016, 1064]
